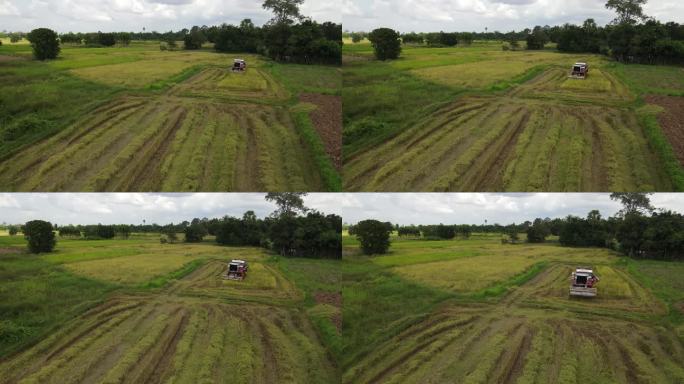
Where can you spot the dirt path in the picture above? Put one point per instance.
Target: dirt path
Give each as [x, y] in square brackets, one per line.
[671, 121]
[327, 119]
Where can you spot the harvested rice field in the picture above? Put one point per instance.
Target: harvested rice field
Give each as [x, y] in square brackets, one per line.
[501, 313]
[478, 119]
[165, 314]
[164, 121]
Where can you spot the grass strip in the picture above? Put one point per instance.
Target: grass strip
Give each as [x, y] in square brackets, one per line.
[648, 117]
[185, 270]
[331, 178]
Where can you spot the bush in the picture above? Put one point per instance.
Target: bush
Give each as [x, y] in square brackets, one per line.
[23, 125]
[194, 40]
[386, 43]
[195, 233]
[373, 236]
[12, 230]
[44, 43]
[39, 235]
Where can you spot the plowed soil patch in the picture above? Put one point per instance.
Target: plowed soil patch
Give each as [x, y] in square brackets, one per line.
[327, 119]
[5, 58]
[334, 299]
[9, 251]
[671, 121]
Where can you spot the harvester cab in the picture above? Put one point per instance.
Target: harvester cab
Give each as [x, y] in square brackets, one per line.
[583, 282]
[237, 270]
[239, 65]
[580, 71]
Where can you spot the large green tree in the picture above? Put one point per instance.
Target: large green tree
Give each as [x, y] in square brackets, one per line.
[289, 203]
[286, 11]
[40, 236]
[45, 43]
[373, 236]
[629, 11]
[386, 43]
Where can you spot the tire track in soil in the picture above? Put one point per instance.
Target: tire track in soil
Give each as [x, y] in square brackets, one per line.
[147, 176]
[161, 368]
[270, 371]
[478, 175]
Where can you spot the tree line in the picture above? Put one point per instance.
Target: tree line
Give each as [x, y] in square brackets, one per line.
[632, 37]
[638, 230]
[288, 37]
[293, 230]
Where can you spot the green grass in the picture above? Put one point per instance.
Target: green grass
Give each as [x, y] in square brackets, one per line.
[36, 297]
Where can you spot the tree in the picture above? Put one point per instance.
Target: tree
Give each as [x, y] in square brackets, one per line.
[537, 39]
[194, 39]
[629, 11]
[357, 37]
[537, 232]
[386, 43]
[13, 230]
[373, 236]
[289, 203]
[286, 11]
[124, 38]
[195, 233]
[633, 203]
[45, 43]
[106, 39]
[39, 235]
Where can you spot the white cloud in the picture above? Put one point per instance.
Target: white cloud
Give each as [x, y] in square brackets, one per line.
[475, 15]
[8, 9]
[133, 15]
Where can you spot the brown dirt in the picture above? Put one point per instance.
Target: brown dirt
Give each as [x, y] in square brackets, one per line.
[671, 121]
[10, 251]
[334, 299]
[5, 58]
[327, 119]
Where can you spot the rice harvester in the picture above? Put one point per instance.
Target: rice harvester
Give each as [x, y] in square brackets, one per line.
[237, 270]
[239, 65]
[583, 282]
[580, 71]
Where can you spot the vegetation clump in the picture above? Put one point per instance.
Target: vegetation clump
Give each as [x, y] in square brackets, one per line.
[386, 43]
[39, 236]
[45, 43]
[373, 236]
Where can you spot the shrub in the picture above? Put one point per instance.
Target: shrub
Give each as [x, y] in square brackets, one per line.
[373, 236]
[12, 230]
[39, 235]
[44, 43]
[195, 233]
[386, 43]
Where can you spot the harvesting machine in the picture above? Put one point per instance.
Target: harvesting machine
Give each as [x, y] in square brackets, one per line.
[239, 65]
[237, 270]
[583, 282]
[580, 71]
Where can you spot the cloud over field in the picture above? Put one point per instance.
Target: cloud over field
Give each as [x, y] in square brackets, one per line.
[402, 208]
[134, 15]
[475, 15]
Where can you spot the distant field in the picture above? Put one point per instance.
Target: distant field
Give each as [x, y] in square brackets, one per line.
[139, 119]
[478, 311]
[480, 119]
[136, 310]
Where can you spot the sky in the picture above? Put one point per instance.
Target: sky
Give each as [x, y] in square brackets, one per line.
[401, 208]
[475, 15]
[153, 15]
